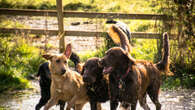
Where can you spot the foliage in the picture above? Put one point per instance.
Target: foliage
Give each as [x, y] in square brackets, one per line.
[82, 5]
[98, 53]
[144, 50]
[18, 60]
[182, 49]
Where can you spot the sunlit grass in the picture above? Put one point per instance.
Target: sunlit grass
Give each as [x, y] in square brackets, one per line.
[144, 49]
[18, 60]
[127, 6]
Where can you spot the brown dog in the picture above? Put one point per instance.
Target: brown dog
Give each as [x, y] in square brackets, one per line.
[96, 83]
[67, 85]
[134, 77]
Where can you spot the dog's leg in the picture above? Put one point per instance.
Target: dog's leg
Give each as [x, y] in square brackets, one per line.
[114, 92]
[41, 103]
[72, 102]
[62, 104]
[99, 107]
[143, 103]
[79, 106]
[134, 104]
[93, 105]
[50, 103]
[153, 92]
[125, 106]
[113, 105]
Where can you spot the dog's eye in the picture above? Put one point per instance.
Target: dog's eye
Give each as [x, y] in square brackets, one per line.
[65, 62]
[58, 61]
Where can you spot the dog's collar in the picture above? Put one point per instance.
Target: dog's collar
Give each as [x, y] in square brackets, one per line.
[121, 83]
[127, 72]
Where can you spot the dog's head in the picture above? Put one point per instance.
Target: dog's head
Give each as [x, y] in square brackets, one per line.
[91, 70]
[115, 57]
[58, 63]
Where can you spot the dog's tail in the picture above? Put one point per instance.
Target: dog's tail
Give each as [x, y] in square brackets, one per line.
[163, 65]
[77, 62]
[119, 37]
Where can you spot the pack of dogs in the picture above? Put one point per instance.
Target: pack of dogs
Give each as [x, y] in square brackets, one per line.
[117, 77]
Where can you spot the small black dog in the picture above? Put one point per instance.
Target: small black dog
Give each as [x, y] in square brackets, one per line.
[45, 82]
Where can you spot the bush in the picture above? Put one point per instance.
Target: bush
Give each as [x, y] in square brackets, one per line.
[18, 60]
[98, 53]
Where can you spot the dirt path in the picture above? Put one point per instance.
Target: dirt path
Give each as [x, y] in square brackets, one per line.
[26, 100]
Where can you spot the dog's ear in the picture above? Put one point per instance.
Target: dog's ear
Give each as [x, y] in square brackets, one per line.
[79, 68]
[130, 58]
[68, 50]
[47, 56]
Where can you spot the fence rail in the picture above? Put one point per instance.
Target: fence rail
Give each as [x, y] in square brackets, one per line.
[53, 13]
[140, 35]
[73, 14]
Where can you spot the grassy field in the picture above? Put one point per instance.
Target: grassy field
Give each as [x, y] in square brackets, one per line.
[128, 6]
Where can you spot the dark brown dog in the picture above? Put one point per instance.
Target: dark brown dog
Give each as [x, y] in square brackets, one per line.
[134, 77]
[97, 84]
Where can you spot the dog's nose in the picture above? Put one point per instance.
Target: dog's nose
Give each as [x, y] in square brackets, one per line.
[63, 71]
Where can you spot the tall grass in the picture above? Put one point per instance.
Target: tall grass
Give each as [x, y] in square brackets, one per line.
[18, 60]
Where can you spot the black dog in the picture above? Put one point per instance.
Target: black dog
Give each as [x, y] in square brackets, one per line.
[45, 82]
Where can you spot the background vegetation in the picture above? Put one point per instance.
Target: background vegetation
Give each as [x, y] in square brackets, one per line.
[19, 59]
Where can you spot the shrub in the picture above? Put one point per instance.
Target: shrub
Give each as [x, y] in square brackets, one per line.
[18, 60]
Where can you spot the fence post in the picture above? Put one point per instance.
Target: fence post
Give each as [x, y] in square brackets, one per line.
[61, 32]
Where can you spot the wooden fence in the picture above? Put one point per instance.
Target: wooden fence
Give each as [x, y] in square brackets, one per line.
[53, 13]
[67, 14]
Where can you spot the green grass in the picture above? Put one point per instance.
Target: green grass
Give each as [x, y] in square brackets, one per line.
[98, 53]
[83, 5]
[144, 49]
[18, 60]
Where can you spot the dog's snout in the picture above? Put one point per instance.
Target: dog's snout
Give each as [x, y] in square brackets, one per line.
[101, 62]
[63, 71]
